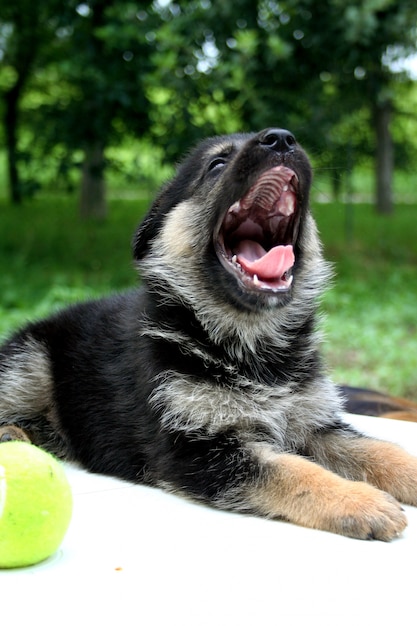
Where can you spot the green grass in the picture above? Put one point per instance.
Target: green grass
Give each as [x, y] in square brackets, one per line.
[48, 258]
[371, 312]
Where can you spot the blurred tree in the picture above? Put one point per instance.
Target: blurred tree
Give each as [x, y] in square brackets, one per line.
[93, 57]
[104, 60]
[26, 31]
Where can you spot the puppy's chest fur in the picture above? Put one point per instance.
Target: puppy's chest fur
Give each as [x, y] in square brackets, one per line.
[202, 388]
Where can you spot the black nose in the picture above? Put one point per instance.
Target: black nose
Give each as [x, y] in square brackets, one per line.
[277, 139]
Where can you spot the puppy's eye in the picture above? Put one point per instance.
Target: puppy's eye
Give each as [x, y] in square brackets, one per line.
[217, 164]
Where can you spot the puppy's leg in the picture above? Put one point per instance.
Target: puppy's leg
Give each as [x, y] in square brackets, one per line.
[256, 478]
[380, 463]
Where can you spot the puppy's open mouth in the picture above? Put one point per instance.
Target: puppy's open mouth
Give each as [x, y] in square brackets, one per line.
[256, 237]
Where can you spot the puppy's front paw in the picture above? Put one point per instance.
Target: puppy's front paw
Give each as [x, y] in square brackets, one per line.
[364, 512]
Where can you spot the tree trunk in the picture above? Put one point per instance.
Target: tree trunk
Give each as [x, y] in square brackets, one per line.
[384, 158]
[93, 201]
[11, 114]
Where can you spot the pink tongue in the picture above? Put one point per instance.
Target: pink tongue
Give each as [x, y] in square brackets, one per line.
[266, 265]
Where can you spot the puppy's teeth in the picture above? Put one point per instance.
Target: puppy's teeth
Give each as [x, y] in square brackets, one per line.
[256, 280]
[236, 263]
[235, 207]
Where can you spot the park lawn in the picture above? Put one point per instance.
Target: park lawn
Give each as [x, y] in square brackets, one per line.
[371, 311]
[49, 258]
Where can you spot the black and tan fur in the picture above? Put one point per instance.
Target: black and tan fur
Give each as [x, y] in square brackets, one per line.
[204, 381]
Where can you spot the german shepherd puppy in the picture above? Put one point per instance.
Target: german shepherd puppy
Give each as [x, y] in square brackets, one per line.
[207, 381]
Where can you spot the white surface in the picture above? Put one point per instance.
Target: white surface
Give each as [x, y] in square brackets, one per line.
[135, 555]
